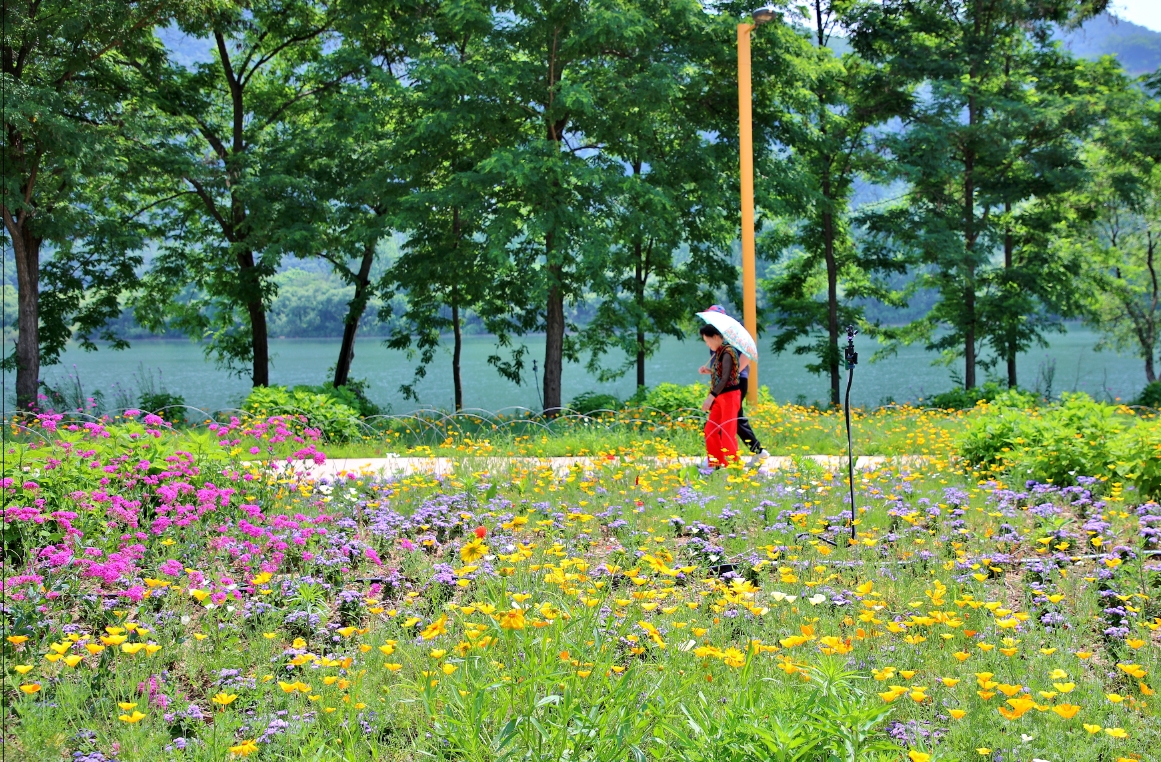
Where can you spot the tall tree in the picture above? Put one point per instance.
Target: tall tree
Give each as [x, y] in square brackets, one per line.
[1117, 231]
[448, 123]
[981, 121]
[213, 276]
[672, 210]
[63, 119]
[548, 177]
[828, 131]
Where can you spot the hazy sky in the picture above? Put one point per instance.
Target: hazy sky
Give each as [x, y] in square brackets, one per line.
[1143, 12]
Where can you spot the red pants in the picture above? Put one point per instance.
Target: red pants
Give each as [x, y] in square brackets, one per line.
[721, 430]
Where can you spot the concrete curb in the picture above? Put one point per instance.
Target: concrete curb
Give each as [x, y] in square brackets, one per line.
[403, 466]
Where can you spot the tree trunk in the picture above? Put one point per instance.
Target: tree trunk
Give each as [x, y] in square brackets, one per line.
[355, 312]
[248, 275]
[457, 335]
[832, 326]
[828, 234]
[26, 248]
[1011, 344]
[457, 348]
[969, 292]
[554, 333]
[1151, 265]
[640, 274]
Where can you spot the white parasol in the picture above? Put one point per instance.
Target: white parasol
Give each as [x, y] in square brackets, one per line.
[733, 332]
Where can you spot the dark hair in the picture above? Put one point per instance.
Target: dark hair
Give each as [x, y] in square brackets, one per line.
[709, 330]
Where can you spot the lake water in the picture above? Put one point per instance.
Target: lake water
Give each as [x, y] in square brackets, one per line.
[183, 369]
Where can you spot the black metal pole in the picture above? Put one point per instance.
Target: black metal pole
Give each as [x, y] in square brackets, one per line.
[852, 358]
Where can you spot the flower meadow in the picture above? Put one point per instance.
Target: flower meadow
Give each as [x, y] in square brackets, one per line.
[170, 596]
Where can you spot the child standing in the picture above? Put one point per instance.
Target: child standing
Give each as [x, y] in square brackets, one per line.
[723, 401]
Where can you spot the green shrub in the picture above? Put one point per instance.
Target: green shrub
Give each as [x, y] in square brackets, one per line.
[164, 404]
[1150, 396]
[1056, 443]
[672, 398]
[1138, 457]
[962, 399]
[592, 402]
[353, 395]
[336, 421]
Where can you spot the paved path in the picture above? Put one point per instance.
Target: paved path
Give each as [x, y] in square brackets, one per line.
[401, 466]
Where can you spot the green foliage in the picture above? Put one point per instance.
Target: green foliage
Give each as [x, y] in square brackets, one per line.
[165, 404]
[673, 398]
[353, 395]
[1138, 457]
[324, 410]
[1150, 396]
[764, 723]
[591, 402]
[962, 399]
[1056, 443]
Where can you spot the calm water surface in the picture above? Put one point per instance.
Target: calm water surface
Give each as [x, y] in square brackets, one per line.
[182, 368]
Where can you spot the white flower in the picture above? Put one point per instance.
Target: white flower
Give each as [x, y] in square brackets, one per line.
[817, 599]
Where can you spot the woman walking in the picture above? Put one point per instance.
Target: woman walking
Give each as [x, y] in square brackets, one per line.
[745, 431]
[723, 401]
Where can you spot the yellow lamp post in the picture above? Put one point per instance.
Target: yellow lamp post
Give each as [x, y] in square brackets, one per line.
[746, 140]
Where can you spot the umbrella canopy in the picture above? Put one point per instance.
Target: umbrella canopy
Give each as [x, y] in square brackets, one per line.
[733, 332]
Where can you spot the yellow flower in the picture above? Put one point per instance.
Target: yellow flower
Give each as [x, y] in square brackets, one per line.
[956, 713]
[287, 687]
[473, 551]
[950, 682]
[1092, 729]
[1116, 698]
[1117, 732]
[224, 699]
[512, 619]
[983, 751]
[394, 667]
[918, 756]
[1064, 687]
[23, 669]
[127, 705]
[30, 688]
[244, 749]
[438, 627]
[1067, 711]
[136, 717]
[448, 668]
[17, 639]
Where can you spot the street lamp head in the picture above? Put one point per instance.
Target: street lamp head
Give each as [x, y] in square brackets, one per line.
[765, 14]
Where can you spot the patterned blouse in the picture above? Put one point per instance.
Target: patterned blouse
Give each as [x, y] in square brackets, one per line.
[724, 370]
